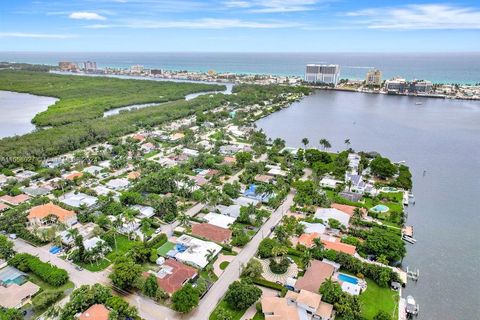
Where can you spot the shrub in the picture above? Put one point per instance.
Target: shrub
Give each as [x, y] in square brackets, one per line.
[157, 241]
[185, 299]
[279, 267]
[241, 295]
[46, 271]
[267, 284]
[45, 299]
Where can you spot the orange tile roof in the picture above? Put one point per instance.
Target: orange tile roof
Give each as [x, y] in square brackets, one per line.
[173, 281]
[138, 137]
[211, 232]
[14, 200]
[315, 275]
[74, 175]
[339, 246]
[229, 159]
[3, 207]
[44, 210]
[95, 312]
[306, 239]
[348, 209]
[133, 175]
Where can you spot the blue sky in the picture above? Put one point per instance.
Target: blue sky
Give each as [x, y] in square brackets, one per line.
[240, 25]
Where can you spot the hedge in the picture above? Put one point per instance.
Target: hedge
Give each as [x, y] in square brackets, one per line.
[268, 284]
[157, 241]
[46, 271]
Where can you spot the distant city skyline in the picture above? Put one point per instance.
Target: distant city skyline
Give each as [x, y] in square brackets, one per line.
[239, 26]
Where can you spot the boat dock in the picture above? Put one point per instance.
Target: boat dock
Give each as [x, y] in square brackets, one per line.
[407, 234]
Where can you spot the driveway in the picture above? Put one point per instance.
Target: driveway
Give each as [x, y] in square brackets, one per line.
[232, 272]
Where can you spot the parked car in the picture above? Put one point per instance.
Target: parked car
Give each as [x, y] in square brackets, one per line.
[12, 236]
[78, 268]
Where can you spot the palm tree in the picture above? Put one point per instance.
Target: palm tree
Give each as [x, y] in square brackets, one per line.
[318, 244]
[347, 142]
[325, 143]
[210, 254]
[183, 219]
[116, 223]
[72, 233]
[306, 257]
[305, 142]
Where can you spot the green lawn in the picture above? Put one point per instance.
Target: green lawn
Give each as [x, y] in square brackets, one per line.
[167, 246]
[376, 298]
[236, 315]
[258, 316]
[48, 287]
[123, 245]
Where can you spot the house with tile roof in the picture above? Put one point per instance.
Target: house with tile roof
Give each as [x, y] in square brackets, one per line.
[212, 232]
[297, 306]
[95, 312]
[314, 276]
[173, 275]
[14, 201]
[41, 215]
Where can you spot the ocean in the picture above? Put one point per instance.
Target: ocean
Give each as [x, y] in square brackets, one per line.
[459, 68]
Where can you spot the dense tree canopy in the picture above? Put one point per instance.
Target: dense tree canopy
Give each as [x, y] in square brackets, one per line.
[241, 295]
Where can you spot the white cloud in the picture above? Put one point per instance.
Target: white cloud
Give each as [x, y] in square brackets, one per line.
[83, 15]
[35, 35]
[197, 24]
[427, 16]
[274, 6]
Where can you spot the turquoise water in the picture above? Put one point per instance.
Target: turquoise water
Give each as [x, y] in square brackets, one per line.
[346, 278]
[380, 208]
[18, 280]
[437, 67]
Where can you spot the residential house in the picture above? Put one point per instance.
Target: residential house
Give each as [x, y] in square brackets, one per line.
[118, 184]
[350, 210]
[212, 232]
[330, 183]
[41, 215]
[219, 220]
[93, 170]
[95, 312]
[194, 251]
[76, 200]
[332, 213]
[73, 175]
[297, 306]
[232, 210]
[173, 275]
[145, 211]
[16, 200]
[336, 245]
[314, 276]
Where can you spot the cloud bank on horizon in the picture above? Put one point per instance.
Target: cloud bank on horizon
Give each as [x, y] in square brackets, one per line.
[239, 25]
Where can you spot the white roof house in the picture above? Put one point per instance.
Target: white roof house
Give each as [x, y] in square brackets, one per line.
[313, 227]
[332, 213]
[190, 152]
[327, 182]
[145, 211]
[232, 211]
[92, 243]
[103, 191]
[196, 251]
[93, 170]
[244, 201]
[104, 164]
[118, 184]
[77, 199]
[219, 220]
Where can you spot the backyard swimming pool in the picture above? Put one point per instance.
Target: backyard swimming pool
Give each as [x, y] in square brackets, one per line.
[380, 208]
[347, 278]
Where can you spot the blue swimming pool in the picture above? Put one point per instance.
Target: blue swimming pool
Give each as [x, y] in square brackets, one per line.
[347, 278]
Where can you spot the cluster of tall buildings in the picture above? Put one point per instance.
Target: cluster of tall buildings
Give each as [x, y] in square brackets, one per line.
[72, 66]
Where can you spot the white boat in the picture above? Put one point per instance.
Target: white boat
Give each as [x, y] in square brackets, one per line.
[408, 239]
[418, 103]
[412, 307]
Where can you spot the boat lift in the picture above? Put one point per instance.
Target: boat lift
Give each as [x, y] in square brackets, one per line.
[413, 274]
